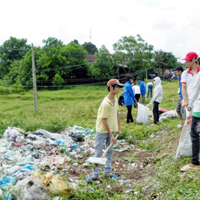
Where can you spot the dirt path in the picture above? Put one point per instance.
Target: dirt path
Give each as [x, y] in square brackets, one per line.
[135, 166]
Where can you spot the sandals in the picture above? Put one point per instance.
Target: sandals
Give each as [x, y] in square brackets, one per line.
[90, 179]
[113, 176]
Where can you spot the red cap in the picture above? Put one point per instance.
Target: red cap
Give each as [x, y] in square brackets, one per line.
[113, 81]
[190, 56]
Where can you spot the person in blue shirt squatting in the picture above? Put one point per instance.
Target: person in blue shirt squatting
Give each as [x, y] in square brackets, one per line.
[129, 97]
[149, 89]
[179, 108]
[142, 89]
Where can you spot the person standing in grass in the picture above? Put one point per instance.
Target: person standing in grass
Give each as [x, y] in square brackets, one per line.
[195, 126]
[157, 99]
[108, 122]
[149, 89]
[188, 78]
[136, 90]
[179, 108]
[129, 97]
[142, 89]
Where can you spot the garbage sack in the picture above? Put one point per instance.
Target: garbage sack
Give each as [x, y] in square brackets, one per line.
[39, 144]
[185, 144]
[56, 184]
[168, 114]
[56, 136]
[32, 189]
[142, 115]
[11, 133]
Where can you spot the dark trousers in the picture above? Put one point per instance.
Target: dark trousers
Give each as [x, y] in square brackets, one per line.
[137, 97]
[129, 114]
[155, 112]
[195, 131]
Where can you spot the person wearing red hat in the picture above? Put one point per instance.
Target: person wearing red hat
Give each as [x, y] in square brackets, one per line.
[188, 78]
[189, 90]
[195, 126]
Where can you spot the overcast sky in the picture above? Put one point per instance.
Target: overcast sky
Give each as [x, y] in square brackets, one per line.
[169, 25]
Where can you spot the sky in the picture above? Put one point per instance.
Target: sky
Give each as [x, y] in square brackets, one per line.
[168, 25]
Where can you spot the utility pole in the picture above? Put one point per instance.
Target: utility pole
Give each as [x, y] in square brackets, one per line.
[34, 80]
[146, 73]
[90, 36]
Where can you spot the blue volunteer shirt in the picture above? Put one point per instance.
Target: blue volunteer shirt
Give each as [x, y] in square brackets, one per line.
[180, 88]
[129, 97]
[142, 87]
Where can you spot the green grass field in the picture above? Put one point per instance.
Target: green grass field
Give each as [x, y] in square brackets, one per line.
[62, 108]
[78, 106]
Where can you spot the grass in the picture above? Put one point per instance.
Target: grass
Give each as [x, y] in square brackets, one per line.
[60, 109]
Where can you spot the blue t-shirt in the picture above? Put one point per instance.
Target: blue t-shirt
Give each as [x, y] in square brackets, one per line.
[129, 96]
[142, 87]
[180, 88]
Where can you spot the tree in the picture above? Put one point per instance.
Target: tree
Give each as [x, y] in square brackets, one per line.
[165, 60]
[52, 42]
[77, 66]
[135, 51]
[55, 62]
[103, 65]
[12, 50]
[25, 67]
[90, 48]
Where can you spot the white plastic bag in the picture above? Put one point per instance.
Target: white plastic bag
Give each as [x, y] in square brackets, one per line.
[169, 114]
[185, 144]
[142, 115]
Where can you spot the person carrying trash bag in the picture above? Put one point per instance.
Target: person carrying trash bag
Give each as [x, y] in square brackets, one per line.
[129, 97]
[194, 107]
[189, 89]
[108, 122]
[157, 99]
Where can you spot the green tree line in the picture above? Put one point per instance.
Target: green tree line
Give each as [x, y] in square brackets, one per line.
[57, 62]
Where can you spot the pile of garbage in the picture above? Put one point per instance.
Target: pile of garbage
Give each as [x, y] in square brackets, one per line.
[35, 163]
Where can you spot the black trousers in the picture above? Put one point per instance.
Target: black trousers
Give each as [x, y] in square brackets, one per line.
[155, 112]
[137, 97]
[195, 131]
[129, 114]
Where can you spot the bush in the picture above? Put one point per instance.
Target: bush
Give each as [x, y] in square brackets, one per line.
[4, 90]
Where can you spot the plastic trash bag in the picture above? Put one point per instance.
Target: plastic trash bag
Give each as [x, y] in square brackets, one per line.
[7, 180]
[142, 115]
[56, 184]
[168, 114]
[56, 136]
[11, 133]
[185, 144]
[32, 189]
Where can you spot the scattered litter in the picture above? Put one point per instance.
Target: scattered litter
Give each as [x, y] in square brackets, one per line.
[38, 163]
[122, 150]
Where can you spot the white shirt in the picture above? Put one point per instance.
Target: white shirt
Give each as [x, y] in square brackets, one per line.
[136, 89]
[158, 91]
[149, 83]
[190, 80]
[195, 101]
